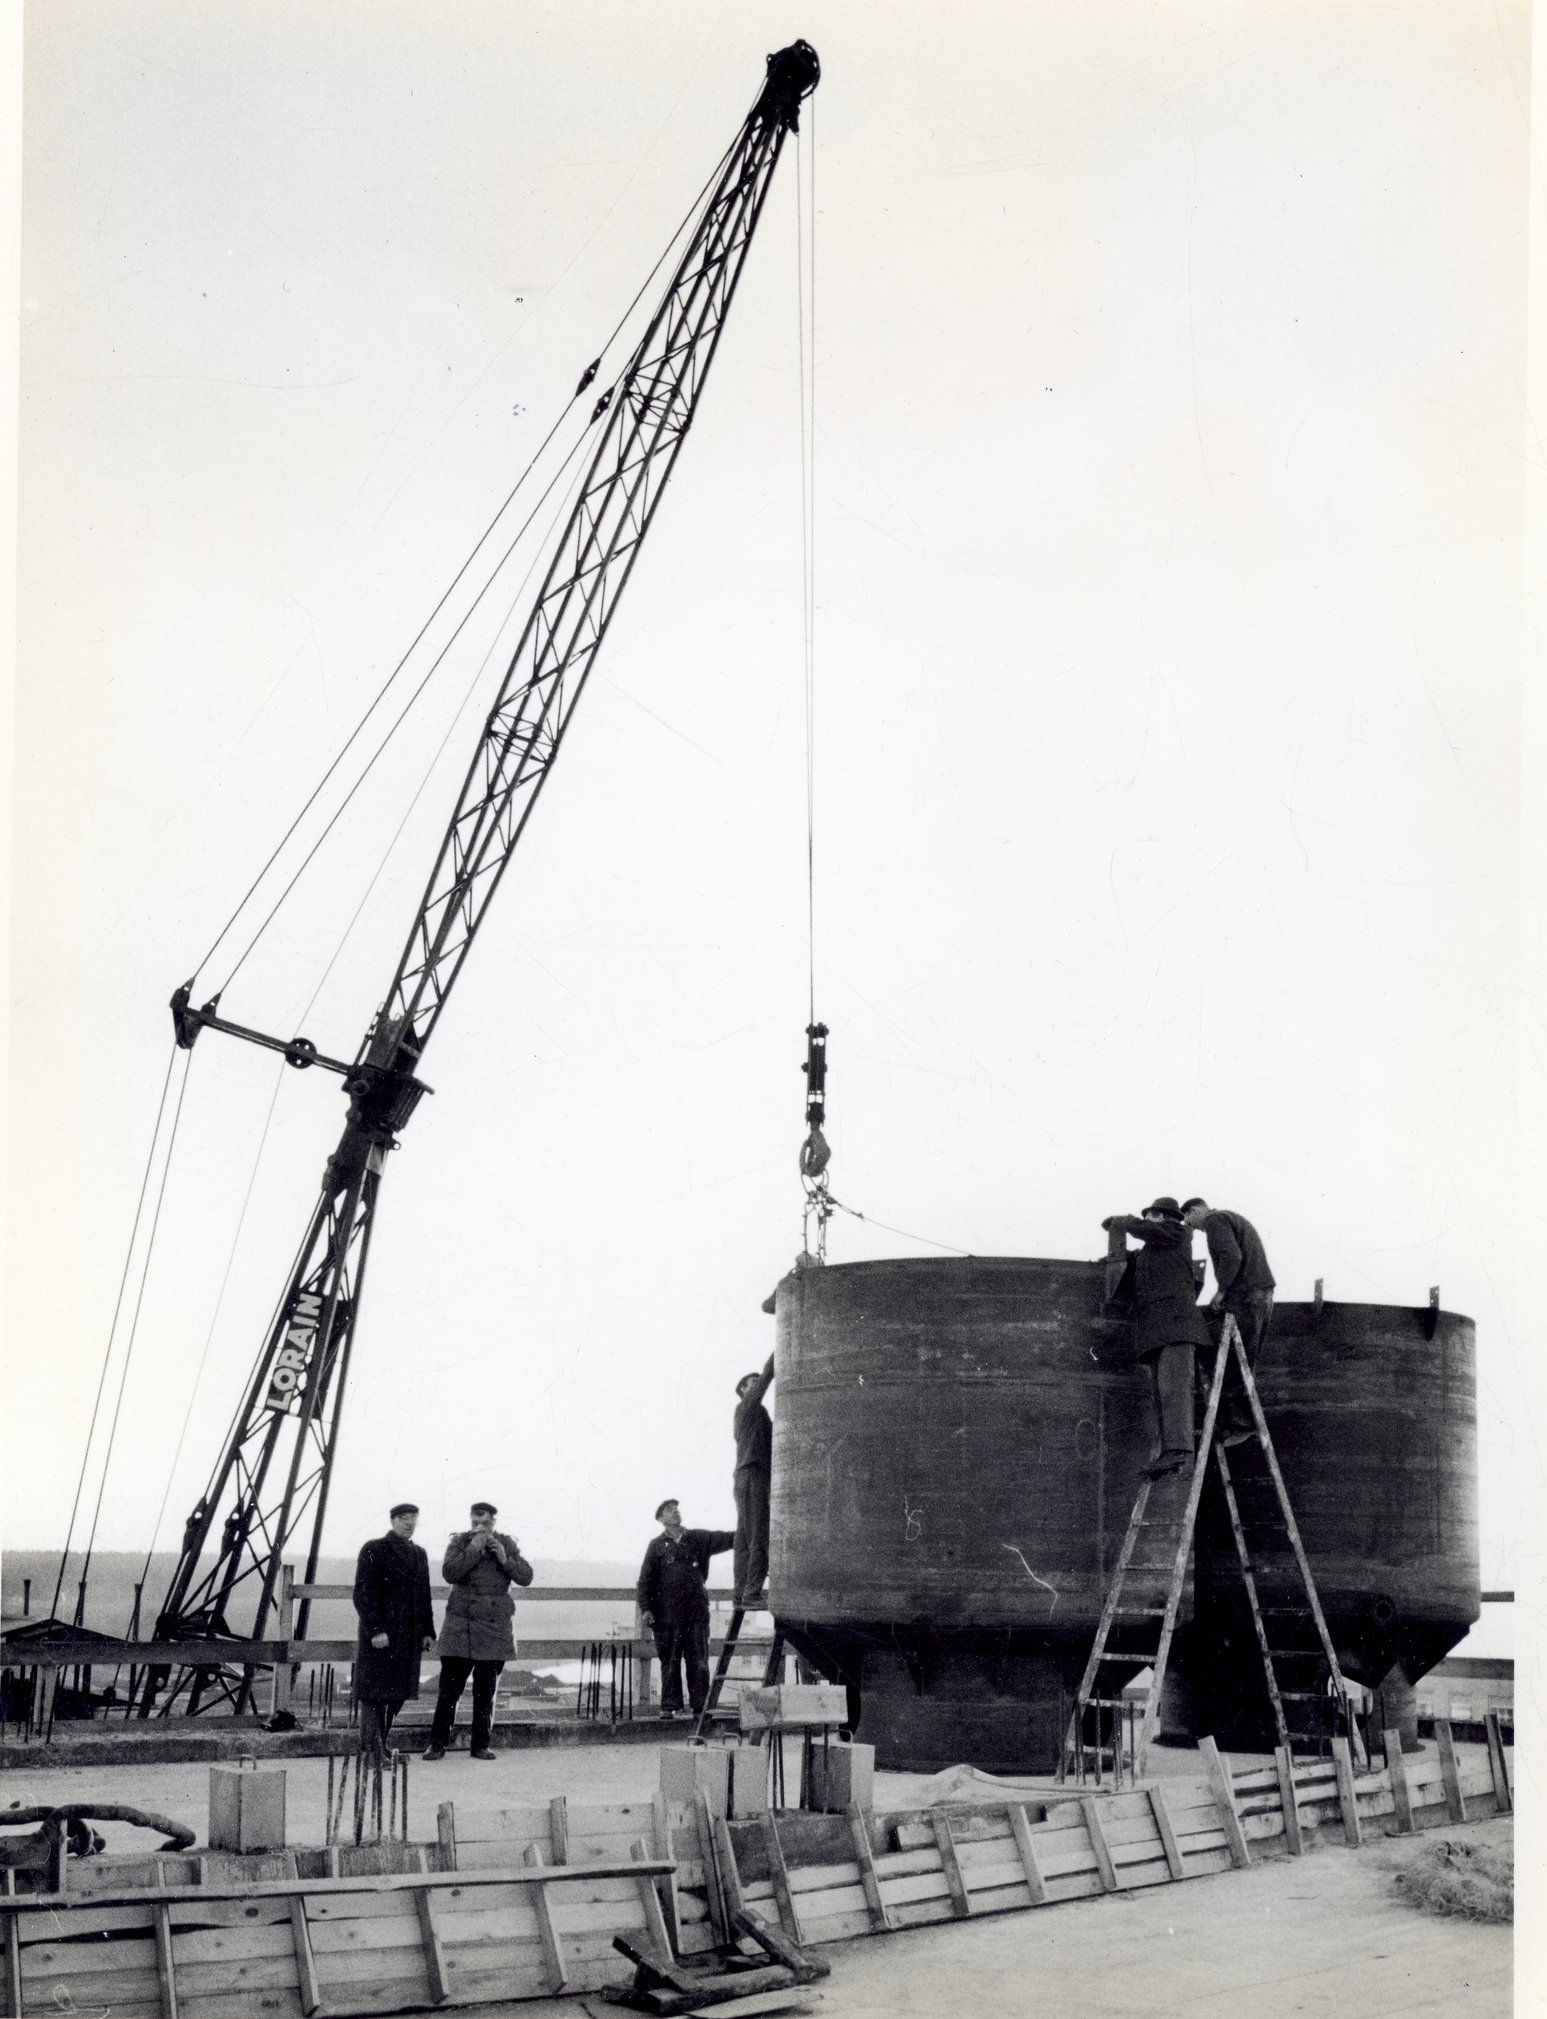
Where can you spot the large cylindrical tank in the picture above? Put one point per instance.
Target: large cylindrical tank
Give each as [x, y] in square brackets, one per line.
[1373, 1412]
[957, 1445]
[957, 1448]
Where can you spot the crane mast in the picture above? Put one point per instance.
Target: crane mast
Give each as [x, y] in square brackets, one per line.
[270, 1485]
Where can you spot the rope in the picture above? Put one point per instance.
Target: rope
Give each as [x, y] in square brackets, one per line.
[107, 1353]
[807, 391]
[855, 1214]
[433, 668]
[134, 1323]
[220, 1298]
[586, 380]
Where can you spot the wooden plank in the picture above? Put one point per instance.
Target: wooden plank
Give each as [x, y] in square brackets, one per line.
[516, 1827]
[761, 2003]
[859, 1831]
[1283, 1761]
[1025, 1844]
[305, 1960]
[660, 1835]
[1396, 1772]
[1224, 1801]
[950, 1865]
[729, 1873]
[429, 1934]
[779, 1878]
[1166, 1834]
[650, 1901]
[1498, 1766]
[707, 1852]
[1455, 1801]
[166, 1966]
[1348, 1801]
[558, 1829]
[12, 1951]
[446, 1833]
[581, 1876]
[274, 2003]
[1090, 1808]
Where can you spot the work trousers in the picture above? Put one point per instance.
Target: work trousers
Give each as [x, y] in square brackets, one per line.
[454, 1672]
[753, 1489]
[376, 1715]
[1252, 1311]
[1171, 1378]
[684, 1645]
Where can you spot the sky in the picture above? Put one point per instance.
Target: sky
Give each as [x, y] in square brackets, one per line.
[1174, 469]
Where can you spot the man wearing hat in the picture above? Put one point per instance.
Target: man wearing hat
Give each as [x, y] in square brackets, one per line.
[477, 1638]
[397, 1625]
[754, 1486]
[1170, 1325]
[674, 1604]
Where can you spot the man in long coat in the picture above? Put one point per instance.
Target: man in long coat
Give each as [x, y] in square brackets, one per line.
[477, 1638]
[674, 1604]
[1169, 1323]
[397, 1625]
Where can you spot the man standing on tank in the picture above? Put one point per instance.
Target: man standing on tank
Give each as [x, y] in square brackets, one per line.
[477, 1638]
[1243, 1287]
[674, 1604]
[754, 1487]
[397, 1625]
[1170, 1325]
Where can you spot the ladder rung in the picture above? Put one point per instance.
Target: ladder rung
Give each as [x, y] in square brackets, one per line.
[1141, 1659]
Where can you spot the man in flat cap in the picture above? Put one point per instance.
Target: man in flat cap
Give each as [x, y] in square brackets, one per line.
[674, 1604]
[477, 1638]
[754, 1487]
[397, 1625]
[1170, 1325]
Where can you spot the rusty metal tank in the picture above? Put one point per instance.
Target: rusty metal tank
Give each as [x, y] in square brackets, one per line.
[957, 1447]
[1373, 1411]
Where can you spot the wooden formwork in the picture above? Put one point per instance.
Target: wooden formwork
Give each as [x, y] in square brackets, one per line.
[524, 1902]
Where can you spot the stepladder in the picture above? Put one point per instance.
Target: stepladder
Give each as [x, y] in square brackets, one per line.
[1307, 1696]
[722, 1668]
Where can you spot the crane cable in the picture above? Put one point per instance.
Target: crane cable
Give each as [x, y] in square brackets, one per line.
[815, 1155]
[112, 1330]
[587, 378]
[280, 1076]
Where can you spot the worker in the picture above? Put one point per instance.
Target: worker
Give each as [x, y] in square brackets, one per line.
[397, 1625]
[1170, 1325]
[477, 1638]
[674, 1604]
[1243, 1287]
[754, 1488]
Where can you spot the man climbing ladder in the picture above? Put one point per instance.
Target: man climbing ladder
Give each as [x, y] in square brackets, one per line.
[1146, 1629]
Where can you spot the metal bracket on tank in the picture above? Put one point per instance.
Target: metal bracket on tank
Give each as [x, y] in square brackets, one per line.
[1431, 1317]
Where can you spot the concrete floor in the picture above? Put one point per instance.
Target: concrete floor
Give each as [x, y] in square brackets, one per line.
[1324, 1934]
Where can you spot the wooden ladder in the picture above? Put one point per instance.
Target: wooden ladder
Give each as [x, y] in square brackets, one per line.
[1138, 1622]
[723, 1665]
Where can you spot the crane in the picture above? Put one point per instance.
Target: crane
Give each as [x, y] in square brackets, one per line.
[270, 1484]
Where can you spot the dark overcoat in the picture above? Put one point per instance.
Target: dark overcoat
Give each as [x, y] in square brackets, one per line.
[480, 1609]
[392, 1596]
[1165, 1290]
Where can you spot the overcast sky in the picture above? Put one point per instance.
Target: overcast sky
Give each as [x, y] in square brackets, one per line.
[1171, 474]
